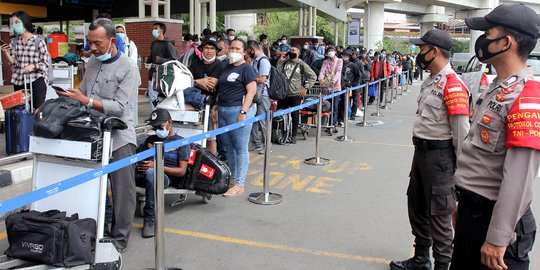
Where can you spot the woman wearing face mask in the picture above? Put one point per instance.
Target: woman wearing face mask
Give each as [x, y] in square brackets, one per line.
[28, 56]
[330, 77]
[130, 46]
[236, 88]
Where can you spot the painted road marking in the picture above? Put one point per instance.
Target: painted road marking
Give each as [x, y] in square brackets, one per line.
[266, 245]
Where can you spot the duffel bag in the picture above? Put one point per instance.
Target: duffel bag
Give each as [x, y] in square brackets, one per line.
[209, 174]
[326, 106]
[51, 238]
[52, 116]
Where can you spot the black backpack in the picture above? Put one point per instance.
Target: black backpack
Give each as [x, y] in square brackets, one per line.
[279, 84]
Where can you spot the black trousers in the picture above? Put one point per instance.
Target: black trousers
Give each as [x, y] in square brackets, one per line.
[39, 91]
[473, 218]
[430, 198]
[289, 102]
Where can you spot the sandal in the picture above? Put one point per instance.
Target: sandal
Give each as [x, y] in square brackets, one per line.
[234, 191]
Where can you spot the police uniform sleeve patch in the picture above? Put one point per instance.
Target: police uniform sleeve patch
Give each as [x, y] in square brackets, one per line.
[456, 96]
[523, 119]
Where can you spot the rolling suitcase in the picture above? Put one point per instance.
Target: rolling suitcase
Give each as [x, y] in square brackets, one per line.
[19, 125]
[209, 174]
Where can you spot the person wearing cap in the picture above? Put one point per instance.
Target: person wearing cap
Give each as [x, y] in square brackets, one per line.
[190, 51]
[107, 87]
[350, 77]
[130, 46]
[175, 164]
[441, 124]
[161, 50]
[495, 228]
[205, 73]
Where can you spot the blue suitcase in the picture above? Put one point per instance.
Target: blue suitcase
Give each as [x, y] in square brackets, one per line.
[19, 125]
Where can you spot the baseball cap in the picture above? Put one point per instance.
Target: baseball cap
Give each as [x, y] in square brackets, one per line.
[158, 116]
[435, 37]
[211, 40]
[347, 52]
[515, 16]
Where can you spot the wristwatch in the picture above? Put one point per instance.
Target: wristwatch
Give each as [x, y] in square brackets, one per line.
[90, 104]
[243, 112]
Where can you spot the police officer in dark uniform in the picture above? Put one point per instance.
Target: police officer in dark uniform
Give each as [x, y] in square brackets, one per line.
[441, 124]
[495, 227]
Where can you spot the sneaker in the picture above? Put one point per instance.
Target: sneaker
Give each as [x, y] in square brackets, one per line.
[293, 140]
[256, 148]
[234, 191]
[262, 151]
[148, 230]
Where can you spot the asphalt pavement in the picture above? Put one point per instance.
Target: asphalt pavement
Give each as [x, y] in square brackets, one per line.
[349, 214]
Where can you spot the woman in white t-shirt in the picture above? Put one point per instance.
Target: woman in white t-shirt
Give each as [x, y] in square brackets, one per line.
[131, 48]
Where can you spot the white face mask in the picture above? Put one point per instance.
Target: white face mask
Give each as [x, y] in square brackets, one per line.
[235, 57]
[231, 38]
[210, 60]
[331, 54]
[306, 47]
[222, 57]
[284, 42]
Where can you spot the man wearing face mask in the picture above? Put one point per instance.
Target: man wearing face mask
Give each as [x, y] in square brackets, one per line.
[175, 164]
[294, 69]
[495, 227]
[108, 87]
[263, 44]
[350, 77]
[231, 34]
[308, 56]
[284, 46]
[442, 122]
[161, 51]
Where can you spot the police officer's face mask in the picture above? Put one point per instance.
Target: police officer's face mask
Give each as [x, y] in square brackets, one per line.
[422, 62]
[481, 47]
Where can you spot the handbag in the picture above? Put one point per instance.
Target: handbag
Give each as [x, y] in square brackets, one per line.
[327, 83]
[372, 90]
[51, 238]
[52, 116]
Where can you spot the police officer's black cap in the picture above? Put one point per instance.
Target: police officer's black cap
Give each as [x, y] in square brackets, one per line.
[515, 16]
[158, 116]
[435, 37]
[210, 40]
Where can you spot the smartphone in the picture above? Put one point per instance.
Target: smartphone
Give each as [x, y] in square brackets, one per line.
[2, 42]
[59, 88]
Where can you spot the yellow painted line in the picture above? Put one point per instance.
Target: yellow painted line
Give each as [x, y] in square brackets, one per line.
[3, 235]
[373, 143]
[242, 242]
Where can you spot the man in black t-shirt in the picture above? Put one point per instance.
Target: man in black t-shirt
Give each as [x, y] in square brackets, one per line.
[205, 74]
[176, 162]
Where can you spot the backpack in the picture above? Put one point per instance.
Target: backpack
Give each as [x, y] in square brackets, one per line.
[37, 39]
[281, 129]
[279, 84]
[171, 77]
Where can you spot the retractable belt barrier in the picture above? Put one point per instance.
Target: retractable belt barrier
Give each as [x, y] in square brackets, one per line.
[50, 190]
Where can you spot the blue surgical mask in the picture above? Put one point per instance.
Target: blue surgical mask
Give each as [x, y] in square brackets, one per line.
[18, 28]
[383, 55]
[155, 33]
[162, 133]
[121, 35]
[106, 56]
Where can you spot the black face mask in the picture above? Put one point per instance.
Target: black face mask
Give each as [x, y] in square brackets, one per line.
[252, 55]
[481, 48]
[292, 55]
[421, 60]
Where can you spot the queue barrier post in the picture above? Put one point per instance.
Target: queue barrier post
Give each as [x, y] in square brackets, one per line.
[392, 88]
[364, 122]
[401, 90]
[159, 228]
[317, 160]
[378, 97]
[266, 197]
[385, 93]
[408, 76]
[345, 137]
[399, 85]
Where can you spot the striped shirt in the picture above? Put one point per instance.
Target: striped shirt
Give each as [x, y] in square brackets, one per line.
[27, 54]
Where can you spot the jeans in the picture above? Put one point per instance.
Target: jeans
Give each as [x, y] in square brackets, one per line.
[263, 106]
[336, 110]
[146, 180]
[236, 141]
[152, 95]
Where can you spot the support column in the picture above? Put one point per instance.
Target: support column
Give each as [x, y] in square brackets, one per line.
[310, 26]
[425, 26]
[141, 9]
[197, 18]
[314, 21]
[375, 25]
[305, 22]
[154, 13]
[192, 16]
[204, 16]
[336, 33]
[490, 5]
[167, 9]
[300, 20]
[344, 42]
[213, 15]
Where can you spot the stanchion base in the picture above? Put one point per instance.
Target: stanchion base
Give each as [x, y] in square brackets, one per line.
[364, 124]
[313, 161]
[260, 198]
[344, 139]
[166, 268]
[377, 114]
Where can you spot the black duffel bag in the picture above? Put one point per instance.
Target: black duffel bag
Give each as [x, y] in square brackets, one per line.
[53, 114]
[85, 128]
[51, 238]
[326, 106]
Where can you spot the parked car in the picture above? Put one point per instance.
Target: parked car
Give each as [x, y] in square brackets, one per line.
[478, 76]
[459, 61]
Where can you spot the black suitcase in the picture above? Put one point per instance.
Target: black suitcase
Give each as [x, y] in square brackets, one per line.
[207, 174]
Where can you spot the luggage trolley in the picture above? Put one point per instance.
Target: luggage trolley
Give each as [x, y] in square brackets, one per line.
[188, 122]
[57, 159]
[308, 116]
